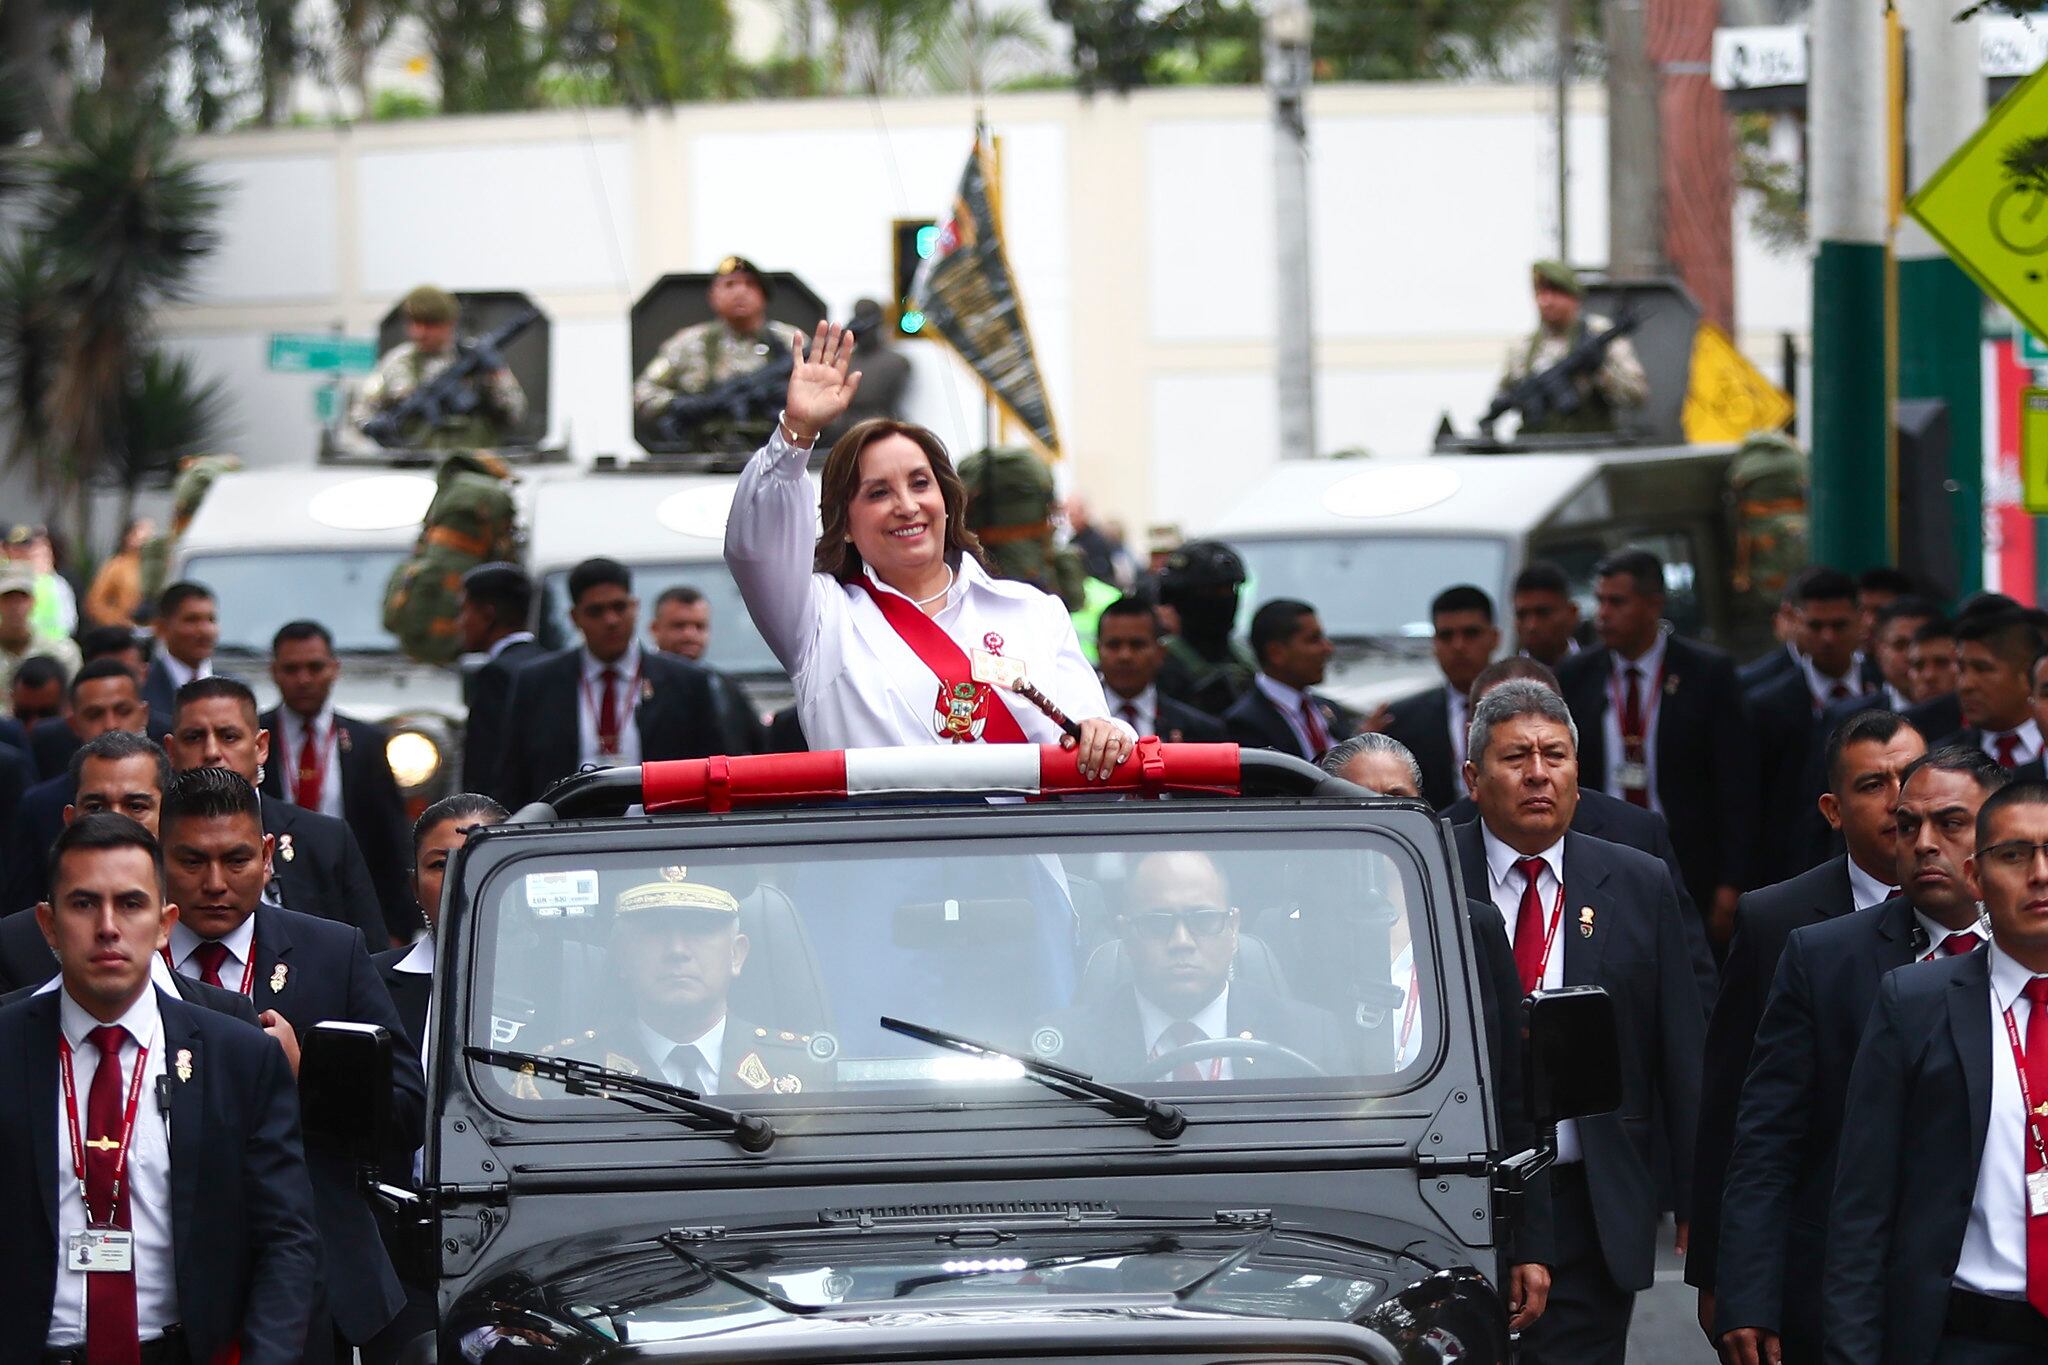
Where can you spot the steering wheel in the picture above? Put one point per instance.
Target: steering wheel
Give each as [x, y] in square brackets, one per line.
[1249, 1049]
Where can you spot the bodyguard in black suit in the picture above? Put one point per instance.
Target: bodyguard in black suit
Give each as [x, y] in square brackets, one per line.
[345, 775]
[568, 713]
[1995, 654]
[215, 1147]
[1432, 724]
[319, 869]
[1767, 668]
[1130, 651]
[1618, 922]
[1781, 1171]
[497, 604]
[1279, 712]
[1932, 1238]
[1700, 755]
[298, 971]
[682, 630]
[187, 628]
[1784, 712]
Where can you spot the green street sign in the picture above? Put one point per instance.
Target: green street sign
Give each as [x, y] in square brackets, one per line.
[2031, 351]
[322, 353]
[326, 404]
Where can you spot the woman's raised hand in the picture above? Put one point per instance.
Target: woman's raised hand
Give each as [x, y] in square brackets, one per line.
[820, 389]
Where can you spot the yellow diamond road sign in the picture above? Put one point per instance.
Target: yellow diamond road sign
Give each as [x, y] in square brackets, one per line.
[1988, 205]
[1728, 398]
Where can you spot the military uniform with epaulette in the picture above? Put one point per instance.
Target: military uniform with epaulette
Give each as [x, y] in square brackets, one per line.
[404, 369]
[753, 1060]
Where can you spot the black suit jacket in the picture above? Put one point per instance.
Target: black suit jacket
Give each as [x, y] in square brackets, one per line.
[17, 774]
[1500, 1001]
[311, 970]
[1767, 668]
[159, 691]
[53, 741]
[1255, 722]
[1174, 721]
[246, 1256]
[1107, 1039]
[38, 820]
[1764, 919]
[1781, 1177]
[1705, 754]
[677, 717]
[15, 735]
[1641, 955]
[786, 733]
[1423, 723]
[371, 808]
[1937, 720]
[1913, 1124]
[739, 723]
[487, 688]
[319, 869]
[1788, 740]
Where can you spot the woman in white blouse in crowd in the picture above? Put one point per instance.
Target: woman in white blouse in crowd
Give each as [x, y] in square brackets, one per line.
[880, 618]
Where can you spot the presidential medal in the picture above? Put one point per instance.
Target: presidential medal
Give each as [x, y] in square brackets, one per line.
[182, 1064]
[1585, 921]
[960, 713]
[277, 978]
[284, 847]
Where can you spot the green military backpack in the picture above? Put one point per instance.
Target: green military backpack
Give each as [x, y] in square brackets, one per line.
[196, 477]
[1767, 484]
[1009, 508]
[471, 521]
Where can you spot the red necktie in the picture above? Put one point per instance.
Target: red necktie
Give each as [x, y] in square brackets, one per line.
[1839, 692]
[1633, 744]
[1180, 1034]
[1529, 927]
[608, 714]
[1129, 714]
[306, 790]
[1318, 737]
[1963, 941]
[2036, 992]
[209, 955]
[2008, 747]
[111, 1337]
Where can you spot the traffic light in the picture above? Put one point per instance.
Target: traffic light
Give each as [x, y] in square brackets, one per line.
[912, 241]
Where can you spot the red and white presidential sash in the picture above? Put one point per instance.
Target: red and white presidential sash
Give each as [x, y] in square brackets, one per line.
[964, 710]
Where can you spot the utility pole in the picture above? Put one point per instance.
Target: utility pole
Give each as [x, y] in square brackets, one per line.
[1635, 182]
[1851, 192]
[1566, 40]
[1940, 308]
[1289, 27]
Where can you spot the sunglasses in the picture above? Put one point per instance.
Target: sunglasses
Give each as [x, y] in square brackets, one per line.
[1158, 925]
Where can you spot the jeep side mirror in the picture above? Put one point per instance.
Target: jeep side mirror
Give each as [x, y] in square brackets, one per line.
[1574, 1056]
[345, 1089]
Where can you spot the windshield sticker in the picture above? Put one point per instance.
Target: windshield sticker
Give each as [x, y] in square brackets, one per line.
[549, 894]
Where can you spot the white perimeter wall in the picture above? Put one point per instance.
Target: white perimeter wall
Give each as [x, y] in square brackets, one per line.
[1141, 231]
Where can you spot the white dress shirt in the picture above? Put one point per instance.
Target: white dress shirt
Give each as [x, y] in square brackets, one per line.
[1866, 890]
[147, 1179]
[1144, 710]
[239, 941]
[180, 675]
[1652, 665]
[291, 734]
[1994, 1253]
[1289, 701]
[1213, 1019]
[590, 697]
[858, 684]
[1457, 709]
[2029, 749]
[1504, 885]
[1822, 688]
[1939, 933]
[505, 642]
[700, 1075]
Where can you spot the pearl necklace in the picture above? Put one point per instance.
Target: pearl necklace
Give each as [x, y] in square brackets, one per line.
[922, 601]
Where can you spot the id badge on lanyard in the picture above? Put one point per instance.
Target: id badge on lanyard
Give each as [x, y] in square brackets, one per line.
[102, 1248]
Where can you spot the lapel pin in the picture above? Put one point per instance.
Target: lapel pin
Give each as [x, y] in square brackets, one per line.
[341, 739]
[182, 1064]
[277, 978]
[1585, 921]
[284, 847]
[646, 689]
[1671, 685]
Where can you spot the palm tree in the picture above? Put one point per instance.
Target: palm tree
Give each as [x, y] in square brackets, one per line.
[168, 411]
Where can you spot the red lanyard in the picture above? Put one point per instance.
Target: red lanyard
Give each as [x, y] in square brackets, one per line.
[127, 1126]
[1646, 704]
[248, 965]
[1550, 934]
[2019, 1065]
[319, 758]
[628, 706]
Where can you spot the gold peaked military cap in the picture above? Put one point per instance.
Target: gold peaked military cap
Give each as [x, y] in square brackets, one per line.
[675, 893]
[431, 305]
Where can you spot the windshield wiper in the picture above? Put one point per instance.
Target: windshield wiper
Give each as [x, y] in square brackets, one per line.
[752, 1132]
[1161, 1119]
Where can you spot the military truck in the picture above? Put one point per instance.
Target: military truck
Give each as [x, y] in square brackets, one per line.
[935, 1132]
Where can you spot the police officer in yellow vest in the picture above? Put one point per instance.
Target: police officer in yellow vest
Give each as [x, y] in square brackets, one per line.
[431, 316]
[697, 359]
[1619, 382]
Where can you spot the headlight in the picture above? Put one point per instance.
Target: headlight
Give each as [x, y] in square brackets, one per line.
[413, 757]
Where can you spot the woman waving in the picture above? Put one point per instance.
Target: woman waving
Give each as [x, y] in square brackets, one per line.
[890, 625]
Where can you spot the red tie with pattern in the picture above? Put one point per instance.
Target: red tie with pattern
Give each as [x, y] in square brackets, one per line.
[110, 1333]
[608, 714]
[1318, 736]
[2008, 747]
[306, 789]
[1129, 715]
[210, 955]
[1180, 1034]
[1634, 743]
[1964, 941]
[2036, 992]
[1529, 926]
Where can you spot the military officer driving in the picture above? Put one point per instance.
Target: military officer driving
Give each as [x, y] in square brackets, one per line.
[677, 948]
[697, 359]
[431, 319]
[1616, 382]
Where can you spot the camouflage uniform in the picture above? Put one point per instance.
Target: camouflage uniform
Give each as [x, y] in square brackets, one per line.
[402, 369]
[700, 358]
[1618, 383]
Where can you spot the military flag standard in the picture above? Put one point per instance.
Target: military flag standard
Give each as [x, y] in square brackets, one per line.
[968, 295]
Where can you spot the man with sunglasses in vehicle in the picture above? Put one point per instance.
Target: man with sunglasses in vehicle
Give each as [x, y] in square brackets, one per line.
[1177, 1004]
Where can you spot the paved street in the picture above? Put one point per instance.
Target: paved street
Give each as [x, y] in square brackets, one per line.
[1666, 1329]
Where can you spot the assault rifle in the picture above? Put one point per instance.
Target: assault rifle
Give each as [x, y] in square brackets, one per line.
[1554, 391]
[450, 394]
[755, 395]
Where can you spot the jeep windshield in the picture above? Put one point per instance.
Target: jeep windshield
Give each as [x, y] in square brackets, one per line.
[1198, 963]
[260, 591]
[1405, 573]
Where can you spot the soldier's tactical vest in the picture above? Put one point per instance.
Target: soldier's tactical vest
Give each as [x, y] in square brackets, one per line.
[1200, 681]
[196, 475]
[1767, 482]
[1595, 413]
[1009, 509]
[469, 522]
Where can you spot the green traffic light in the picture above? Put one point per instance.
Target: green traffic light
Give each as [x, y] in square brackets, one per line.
[912, 320]
[927, 239]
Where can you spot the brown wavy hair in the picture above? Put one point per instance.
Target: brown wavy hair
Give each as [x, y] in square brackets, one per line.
[840, 480]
